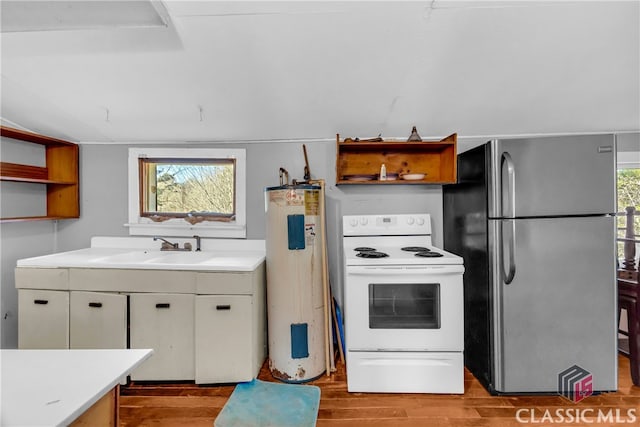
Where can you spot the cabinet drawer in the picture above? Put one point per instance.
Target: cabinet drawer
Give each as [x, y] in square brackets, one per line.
[43, 319]
[163, 322]
[98, 320]
[224, 339]
[224, 283]
[42, 278]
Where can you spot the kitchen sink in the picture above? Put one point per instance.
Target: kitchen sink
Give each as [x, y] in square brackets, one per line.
[180, 258]
[133, 257]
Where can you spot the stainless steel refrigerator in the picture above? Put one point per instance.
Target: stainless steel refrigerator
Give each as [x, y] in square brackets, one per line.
[534, 220]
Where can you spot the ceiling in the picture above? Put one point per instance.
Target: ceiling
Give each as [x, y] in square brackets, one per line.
[261, 71]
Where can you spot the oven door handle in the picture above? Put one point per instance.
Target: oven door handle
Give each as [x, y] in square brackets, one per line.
[405, 271]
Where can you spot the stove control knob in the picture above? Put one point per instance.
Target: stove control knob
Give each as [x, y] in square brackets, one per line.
[410, 220]
[364, 221]
[420, 221]
[353, 222]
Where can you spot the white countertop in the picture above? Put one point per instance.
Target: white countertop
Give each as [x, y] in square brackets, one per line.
[54, 387]
[144, 253]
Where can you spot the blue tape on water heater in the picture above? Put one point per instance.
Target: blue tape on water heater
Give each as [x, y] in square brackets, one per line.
[295, 230]
[299, 341]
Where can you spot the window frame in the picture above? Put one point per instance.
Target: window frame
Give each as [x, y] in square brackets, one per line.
[178, 227]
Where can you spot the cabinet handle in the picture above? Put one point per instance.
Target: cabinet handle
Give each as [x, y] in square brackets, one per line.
[163, 305]
[223, 307]
[41, 301]
[95, 304]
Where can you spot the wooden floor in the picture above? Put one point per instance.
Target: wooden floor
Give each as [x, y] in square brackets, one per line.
[191, 405]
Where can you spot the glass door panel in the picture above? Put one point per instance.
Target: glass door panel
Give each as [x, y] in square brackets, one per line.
[404, 306]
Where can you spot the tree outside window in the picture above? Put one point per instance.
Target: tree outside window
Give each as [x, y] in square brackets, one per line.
[628, 195]
[181, 187]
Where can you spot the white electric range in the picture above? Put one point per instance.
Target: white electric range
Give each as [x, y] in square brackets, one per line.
[403, 307]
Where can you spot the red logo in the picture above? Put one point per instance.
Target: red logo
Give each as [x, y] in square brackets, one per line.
[575, 383]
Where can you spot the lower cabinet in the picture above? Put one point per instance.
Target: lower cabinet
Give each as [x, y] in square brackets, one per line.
[163, 322]
[43, 319]
[97, 320]
[223, 339]
[204, 326]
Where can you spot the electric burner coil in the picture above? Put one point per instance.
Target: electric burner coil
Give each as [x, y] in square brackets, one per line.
[371, 254]
[428, 254]
[415, 249]
[364, 249]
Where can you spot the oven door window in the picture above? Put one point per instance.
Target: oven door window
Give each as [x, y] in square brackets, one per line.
[404, 306]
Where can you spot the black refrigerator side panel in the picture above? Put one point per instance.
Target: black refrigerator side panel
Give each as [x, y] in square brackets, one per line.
[466, 234]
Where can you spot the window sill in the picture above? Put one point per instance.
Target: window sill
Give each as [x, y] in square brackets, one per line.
[231, 231]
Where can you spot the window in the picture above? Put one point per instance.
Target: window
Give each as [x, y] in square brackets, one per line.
[628, 195]
[187, 191]
[628, 184]
[177, 188]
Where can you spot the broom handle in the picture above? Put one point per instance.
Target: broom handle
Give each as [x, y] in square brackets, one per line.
[329, 362]
[337, 326]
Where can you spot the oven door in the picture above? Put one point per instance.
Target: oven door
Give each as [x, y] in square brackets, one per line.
[404, 308]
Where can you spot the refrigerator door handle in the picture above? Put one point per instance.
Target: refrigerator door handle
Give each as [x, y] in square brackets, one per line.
[510, 194]
[511, 250]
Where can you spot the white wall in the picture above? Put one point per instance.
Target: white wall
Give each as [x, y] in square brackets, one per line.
[103, 204]
[103, 188]
[19, 240]
[628, 146]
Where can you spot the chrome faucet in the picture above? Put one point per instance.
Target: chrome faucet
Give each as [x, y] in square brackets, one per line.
[168, 246]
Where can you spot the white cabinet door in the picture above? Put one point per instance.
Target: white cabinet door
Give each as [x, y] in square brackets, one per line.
[98, 320]
[223, 338]
[43, 319]
[163, 322]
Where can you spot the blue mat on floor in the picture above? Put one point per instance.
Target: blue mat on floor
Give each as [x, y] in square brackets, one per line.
[260, 403]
